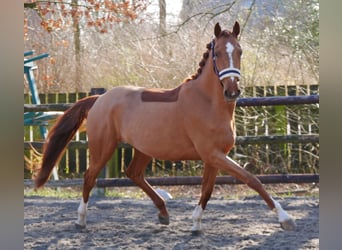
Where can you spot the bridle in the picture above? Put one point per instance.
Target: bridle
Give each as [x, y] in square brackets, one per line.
[227, 72]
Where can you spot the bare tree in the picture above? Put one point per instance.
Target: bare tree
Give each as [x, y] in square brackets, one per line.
[99, 15]
[77, 44]
[162, 17]
[137, 53]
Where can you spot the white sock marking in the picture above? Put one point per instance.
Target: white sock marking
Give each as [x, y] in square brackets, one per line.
[82, 213]
[282, 214]
[196, 218]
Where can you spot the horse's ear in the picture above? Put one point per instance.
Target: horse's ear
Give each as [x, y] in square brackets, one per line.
[217, 30]
[236, 29]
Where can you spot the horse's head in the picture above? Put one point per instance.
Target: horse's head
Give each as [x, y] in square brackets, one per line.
[226, 54]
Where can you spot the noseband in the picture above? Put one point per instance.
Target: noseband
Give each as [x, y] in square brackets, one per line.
[227, 72]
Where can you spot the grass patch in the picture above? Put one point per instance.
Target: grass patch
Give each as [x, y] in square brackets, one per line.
[70, 193]
[180, 192]
[61, 193]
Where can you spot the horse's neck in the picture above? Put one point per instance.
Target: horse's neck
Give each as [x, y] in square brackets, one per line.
[210, 87]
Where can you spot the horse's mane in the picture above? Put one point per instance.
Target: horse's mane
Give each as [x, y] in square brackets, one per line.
[205, 58]
[201, 64]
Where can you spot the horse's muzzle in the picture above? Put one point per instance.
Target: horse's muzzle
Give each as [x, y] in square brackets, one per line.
[231, 96]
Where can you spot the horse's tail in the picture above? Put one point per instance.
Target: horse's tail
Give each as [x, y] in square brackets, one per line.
[60, 135]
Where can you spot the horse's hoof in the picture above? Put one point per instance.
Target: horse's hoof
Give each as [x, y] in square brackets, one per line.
[78, 226]
[196, 232]
[288, 225]
[165, 220]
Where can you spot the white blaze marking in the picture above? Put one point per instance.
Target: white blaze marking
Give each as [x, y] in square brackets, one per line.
[230, 49]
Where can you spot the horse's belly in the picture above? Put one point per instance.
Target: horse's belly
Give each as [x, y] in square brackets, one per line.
[172, 155]
[176, 155]
[161, 144]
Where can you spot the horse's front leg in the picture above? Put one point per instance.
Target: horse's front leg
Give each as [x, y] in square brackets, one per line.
[208, 182]
[225, 163]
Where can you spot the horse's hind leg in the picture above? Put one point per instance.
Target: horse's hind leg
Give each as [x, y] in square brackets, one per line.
[208, 182]
[100, 152]
[135, 172]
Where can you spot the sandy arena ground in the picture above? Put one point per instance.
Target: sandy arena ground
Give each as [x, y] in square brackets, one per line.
[128, 223]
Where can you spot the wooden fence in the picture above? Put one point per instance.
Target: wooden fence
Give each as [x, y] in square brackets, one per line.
[277, 139]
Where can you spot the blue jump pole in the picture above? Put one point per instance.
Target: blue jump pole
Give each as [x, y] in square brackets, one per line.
[277, 100]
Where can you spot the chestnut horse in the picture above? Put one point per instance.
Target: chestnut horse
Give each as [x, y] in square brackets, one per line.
[194, 121]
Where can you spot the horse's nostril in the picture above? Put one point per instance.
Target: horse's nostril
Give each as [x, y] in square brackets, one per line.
[238, 93]
[233, 94]
[228, 94]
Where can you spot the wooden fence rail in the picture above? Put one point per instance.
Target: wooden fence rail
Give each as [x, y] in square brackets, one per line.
[274, 129]
[181, 180]
[241, 102]
[240, 140]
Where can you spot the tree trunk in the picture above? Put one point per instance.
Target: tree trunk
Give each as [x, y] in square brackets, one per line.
[77, 44]
[187, 10]
[162, 17]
